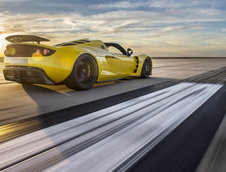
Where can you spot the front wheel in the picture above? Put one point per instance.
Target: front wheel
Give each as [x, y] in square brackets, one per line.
[84, 73]
[146, 69]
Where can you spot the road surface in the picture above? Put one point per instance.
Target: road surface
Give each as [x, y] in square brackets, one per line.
[167, 119]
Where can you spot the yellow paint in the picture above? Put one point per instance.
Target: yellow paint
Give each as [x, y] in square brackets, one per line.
[66, 62]
[37, 56]
[59, 65]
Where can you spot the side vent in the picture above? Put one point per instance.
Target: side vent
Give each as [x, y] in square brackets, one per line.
[137, 64]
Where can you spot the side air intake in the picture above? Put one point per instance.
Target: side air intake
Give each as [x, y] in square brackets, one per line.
[137, 64]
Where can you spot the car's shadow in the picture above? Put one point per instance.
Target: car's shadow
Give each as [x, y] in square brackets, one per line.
[55, 97]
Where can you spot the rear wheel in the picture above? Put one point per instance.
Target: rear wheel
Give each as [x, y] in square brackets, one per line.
[146, 69]
[84, 73]
[26, 83]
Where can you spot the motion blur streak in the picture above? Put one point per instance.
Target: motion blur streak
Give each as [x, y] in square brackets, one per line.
[109, 138]
[214, 159]
[10, 131]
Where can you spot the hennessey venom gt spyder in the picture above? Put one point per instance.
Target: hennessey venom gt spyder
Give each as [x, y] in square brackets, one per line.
[78, 64]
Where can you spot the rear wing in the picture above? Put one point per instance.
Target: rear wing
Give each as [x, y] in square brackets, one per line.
[25, 38]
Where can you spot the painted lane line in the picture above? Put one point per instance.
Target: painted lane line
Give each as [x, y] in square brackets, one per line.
[81, 120]
[133, 108]
[111, 152]
[19, 148]
[74, 145]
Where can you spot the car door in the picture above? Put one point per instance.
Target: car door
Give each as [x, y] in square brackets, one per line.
[119, 62]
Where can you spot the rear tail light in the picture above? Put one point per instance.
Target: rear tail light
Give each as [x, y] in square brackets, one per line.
[46, 52]
[10, 51]
[38, 51]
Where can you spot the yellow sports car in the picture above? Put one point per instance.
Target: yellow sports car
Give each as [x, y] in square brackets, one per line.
[78, 64]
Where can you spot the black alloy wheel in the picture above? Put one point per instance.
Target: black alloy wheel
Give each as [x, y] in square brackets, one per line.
[84, 73]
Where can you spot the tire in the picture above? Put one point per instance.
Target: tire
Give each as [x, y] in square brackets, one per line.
[84, 73]
[26, 83]
[146, 69]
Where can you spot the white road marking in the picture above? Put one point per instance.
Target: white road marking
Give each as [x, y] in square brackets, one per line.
[43, 139]
[152, 117]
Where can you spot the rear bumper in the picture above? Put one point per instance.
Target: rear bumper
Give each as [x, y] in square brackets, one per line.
[24, 74]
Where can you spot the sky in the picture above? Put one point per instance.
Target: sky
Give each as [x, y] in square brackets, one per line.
[166, 28]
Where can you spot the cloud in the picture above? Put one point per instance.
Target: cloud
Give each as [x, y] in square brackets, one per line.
[166, 4]
[156, 27]
[158, 4]
[137, 4]
[119, 5]
[109, 23]
[13, 0]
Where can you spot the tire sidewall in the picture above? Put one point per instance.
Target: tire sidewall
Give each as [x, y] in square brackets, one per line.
[73, 80]
[144, 72]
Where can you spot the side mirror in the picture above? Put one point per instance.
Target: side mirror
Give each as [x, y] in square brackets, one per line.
[129, 52]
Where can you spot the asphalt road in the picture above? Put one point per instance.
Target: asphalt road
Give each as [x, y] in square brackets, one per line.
[215, 156]
[133, 124]
[20, 102]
